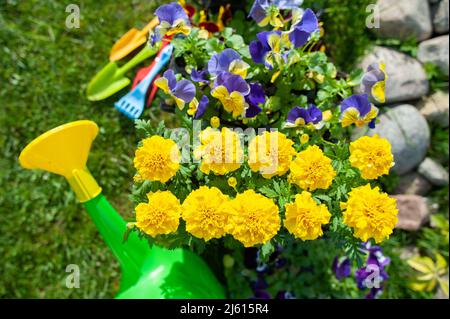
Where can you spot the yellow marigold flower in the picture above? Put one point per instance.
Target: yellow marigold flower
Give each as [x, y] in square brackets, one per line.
[206, 211]
[161, 215]
[304, 139]
[270, 154]
[215, 122]
[220, 151]
[371, 213]
[304, 217]
[232, 182]
[158, 159]
[372, 156]
[254, 218]
[312, 170]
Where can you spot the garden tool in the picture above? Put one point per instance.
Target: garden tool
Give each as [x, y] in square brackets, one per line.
[147, 272]
[111, 78]
[132, 104]
[131, 40]
[152, 94]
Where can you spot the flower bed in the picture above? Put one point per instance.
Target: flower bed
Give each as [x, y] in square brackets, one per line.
[263, 158]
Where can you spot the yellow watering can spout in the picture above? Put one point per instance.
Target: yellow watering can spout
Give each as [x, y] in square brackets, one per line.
[64, 150]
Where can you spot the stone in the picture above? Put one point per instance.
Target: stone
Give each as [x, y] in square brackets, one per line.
[407, 79]
[408, 252]
[413, 212]
[435, 108]
[440, 17]
[413, 184]
[407, 131]
[434, 172]
[435, 51]
[402, 19]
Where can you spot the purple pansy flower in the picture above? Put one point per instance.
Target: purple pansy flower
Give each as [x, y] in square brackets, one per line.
[182, 91]
[300, 33]
[253, 99]
[200, 76]
[358, 110]
[267, 11]
[373, 274]
[230, 89]
[303, 116]
[227, 61]
[341, 270]
[267, 48]
[374, 82]
[172, 20]
[202, 106]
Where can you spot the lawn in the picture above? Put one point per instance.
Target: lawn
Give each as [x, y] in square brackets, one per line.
[43, 76]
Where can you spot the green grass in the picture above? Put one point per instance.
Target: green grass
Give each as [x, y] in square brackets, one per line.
[43, 76]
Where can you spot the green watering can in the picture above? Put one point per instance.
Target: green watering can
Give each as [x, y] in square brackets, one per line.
[146, 272]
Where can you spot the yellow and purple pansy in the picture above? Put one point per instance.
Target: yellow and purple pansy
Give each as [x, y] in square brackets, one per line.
[268, 11]
[299, 116]
[231, 89]
[374, 82]
[182, 91]
[301, 31]
[200, 77]
[255, 98]
[358, 110]
[172, 20]
[227, 61]
[267, 49]
[197, 109]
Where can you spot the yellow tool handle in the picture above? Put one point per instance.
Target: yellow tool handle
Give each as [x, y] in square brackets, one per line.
[150, 26]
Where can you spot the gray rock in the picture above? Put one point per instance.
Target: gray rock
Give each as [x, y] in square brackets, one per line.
[407, 131]
[402, 19]
[408, 252]
[412, 184]
[435, 51]
[435, 108]
[440, 17]
[407, 79]
[434, 172]
[413, 212]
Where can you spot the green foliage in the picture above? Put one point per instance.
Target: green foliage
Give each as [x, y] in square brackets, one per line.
[438, 80]
[346, 35]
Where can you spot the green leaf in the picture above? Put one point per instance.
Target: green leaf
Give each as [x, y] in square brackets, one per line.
[355, 77]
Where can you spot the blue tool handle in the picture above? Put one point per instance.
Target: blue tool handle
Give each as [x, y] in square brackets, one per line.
[162, 60]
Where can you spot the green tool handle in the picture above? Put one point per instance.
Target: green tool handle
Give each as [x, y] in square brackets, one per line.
[144, 54]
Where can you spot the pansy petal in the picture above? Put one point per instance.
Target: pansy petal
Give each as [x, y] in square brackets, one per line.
[298, 37]
[202, 106]
[184, 90]
[171, 12]
[239, 67]
[162, 83]
[199, 76]
[293, 114]
[170, 76]
[349, 116]
[256, 95]
[252, 110]
[309, 22]
[258, 10]
[257, 51]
